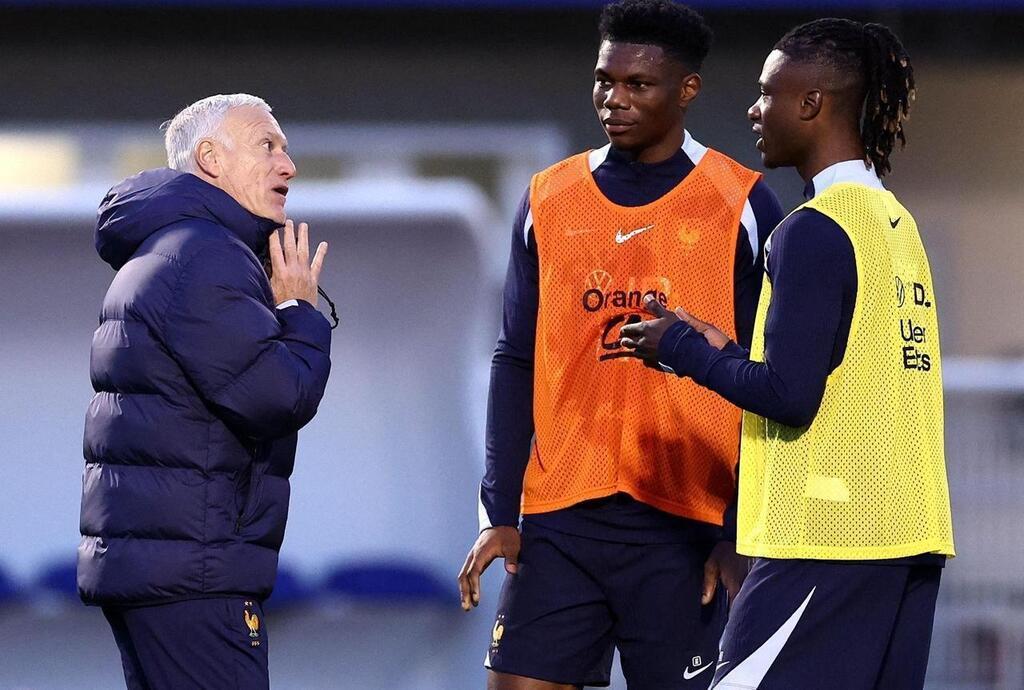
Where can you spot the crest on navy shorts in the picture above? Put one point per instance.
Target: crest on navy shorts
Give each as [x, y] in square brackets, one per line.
[498, 631]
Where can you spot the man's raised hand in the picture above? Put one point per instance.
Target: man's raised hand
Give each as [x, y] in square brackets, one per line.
[292, 276]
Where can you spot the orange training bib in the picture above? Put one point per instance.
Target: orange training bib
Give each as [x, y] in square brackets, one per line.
[604, 422]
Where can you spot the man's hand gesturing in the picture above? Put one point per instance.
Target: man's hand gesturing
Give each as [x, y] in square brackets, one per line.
[643, 337]
[492, 543]
[715, 337]
[292, 276]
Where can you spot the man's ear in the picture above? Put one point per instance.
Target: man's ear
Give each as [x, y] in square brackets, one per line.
[810, 104]
[689, 89]
[207, 159]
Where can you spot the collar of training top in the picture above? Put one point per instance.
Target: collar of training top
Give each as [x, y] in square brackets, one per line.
[853, 171]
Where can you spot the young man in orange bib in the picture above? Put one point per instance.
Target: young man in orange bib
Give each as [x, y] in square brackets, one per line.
[621, 474]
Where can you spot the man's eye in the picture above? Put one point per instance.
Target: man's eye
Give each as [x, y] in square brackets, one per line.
[268, 144]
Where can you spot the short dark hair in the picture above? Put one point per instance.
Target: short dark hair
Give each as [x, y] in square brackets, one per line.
[675, 28]
[875, 69]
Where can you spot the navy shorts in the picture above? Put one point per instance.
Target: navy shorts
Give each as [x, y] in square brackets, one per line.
[197, 643]
[808, 625]
[575, 599]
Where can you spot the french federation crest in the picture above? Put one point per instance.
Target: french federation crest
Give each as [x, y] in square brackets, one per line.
[252, 621]
[498, 631]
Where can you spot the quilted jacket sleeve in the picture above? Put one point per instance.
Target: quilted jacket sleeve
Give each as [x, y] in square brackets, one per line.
[263, 371]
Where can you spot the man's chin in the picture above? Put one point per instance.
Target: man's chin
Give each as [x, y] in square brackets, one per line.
[768, 162]
[274, 214]
[623, 142]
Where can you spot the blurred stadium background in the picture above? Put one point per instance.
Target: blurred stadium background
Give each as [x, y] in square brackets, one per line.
[415, 126]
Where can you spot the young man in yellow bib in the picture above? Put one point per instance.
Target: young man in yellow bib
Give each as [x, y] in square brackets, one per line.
[621, 474]
[843, 497]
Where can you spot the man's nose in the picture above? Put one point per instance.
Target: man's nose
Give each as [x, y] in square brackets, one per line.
[754, 112]
[287, 167]
[617, 98]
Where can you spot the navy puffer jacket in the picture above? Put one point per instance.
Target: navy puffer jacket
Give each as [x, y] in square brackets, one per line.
[201, 386]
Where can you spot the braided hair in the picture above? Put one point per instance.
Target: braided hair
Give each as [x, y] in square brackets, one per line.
[870, 64]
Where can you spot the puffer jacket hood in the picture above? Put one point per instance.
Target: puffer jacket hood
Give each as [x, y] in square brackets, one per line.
[153, 199]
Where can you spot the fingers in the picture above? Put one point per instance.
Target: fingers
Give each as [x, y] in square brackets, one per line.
[694, 323]
[469, 577]
[276, 257]
[318, 261]
[290, 253]
[653, 306]
[479, 566]
[302, 248]
[464, 593]
[512, 561]
[635, 336]
[469, 580]
[714, 336]
[711, 573]
[633, 331]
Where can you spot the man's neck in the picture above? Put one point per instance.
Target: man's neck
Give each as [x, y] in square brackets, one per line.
[830, 151]
[212, 181]
[658, 153]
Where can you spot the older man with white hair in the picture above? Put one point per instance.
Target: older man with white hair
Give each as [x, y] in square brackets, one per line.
[204, 370]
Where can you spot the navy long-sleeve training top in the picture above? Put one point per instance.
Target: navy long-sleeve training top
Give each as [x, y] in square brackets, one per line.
[510, 407]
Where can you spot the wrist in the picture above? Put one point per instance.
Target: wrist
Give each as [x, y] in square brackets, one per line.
[669, 340]
[499, 527]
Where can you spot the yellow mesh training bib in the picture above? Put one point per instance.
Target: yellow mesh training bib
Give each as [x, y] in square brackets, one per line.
[867, 478]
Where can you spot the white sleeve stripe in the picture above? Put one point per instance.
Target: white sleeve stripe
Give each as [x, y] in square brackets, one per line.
[693, 149]
[749, 222]
[527, 227]
[482, 516]
[598, 156]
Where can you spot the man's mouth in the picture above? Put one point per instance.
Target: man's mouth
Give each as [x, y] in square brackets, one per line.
[614, 125]
[759, 144]
[282, 190]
